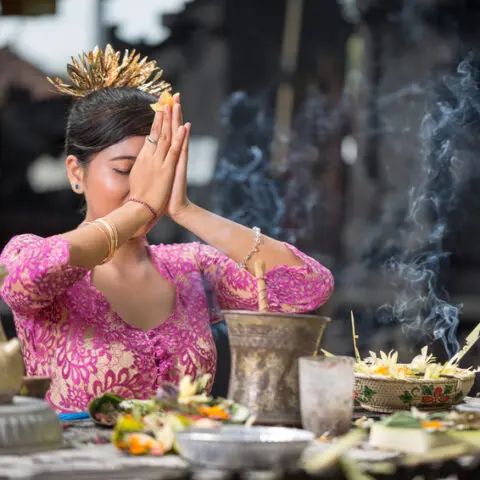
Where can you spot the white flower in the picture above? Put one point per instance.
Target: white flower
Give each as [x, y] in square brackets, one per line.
[186, 387]
[165, 436]
[433, 371]
[420, 362]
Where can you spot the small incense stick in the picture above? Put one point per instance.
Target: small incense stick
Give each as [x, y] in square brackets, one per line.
[317, 344]
[3, 337]
[3, 274]
[470, 341]
[261, 287]
[355, 338]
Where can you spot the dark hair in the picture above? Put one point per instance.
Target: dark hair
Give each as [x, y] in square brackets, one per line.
[106, 117]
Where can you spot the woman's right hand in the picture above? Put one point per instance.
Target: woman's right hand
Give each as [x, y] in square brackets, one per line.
[152, 175]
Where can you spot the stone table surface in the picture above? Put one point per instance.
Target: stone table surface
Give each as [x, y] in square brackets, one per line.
[89, 455]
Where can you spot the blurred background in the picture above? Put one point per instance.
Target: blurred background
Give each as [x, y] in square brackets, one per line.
[349, 128]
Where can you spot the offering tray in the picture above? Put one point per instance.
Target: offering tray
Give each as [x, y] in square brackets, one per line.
[29, 425]
[386, 395]
[243, 448]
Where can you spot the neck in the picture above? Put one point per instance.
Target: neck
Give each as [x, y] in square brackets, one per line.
[132, 252]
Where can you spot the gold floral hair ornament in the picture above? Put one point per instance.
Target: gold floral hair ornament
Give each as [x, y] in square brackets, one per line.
[97, 70]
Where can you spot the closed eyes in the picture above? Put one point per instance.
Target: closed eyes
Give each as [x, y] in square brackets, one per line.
[121, 172]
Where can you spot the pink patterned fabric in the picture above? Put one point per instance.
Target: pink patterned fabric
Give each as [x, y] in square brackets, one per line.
[70, 333]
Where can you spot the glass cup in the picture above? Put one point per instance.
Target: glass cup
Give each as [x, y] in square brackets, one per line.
[326, 394]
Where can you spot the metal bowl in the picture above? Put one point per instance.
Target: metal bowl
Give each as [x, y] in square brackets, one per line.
[29, 425]
[248, 448]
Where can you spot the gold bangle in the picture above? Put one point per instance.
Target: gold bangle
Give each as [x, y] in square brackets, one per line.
[113, 237]
[111, 233]
[107, 236]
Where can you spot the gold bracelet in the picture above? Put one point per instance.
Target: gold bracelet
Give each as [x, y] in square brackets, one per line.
[107, 236]
[113, 237]
[111, 233]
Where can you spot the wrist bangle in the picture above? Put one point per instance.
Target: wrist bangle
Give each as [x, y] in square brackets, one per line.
[113, 236]
[111, 233]
[258, 239]
[146, 205]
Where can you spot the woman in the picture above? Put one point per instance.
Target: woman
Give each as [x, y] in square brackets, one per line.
[98, 309]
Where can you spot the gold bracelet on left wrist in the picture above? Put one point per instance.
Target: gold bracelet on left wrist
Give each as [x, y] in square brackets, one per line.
[111, 233]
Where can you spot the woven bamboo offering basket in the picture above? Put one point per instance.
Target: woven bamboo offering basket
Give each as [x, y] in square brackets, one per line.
[385, 394]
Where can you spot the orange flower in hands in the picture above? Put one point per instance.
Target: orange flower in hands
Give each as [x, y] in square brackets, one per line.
[165, 99]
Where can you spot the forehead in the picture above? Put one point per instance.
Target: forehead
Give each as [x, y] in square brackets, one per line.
[129, 147]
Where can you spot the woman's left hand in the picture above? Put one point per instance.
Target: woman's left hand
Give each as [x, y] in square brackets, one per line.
[179, 202]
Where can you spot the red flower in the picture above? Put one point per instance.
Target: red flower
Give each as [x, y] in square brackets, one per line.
[355, 395]
[437, 397]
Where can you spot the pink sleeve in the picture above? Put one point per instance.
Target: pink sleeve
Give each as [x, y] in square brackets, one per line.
[290, 289]
[38, 271]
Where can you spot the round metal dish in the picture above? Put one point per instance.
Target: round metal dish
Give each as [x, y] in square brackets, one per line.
[29, 425]
[246, 448]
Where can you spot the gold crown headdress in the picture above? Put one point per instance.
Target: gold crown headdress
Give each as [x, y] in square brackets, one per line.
[97, 70]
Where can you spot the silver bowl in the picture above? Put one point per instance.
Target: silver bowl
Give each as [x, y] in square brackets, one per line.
[248, 448]
[29, 425]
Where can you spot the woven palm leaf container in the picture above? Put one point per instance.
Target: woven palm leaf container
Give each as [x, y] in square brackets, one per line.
[386, 394]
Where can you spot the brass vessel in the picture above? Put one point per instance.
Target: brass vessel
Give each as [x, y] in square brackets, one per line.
[265, 348]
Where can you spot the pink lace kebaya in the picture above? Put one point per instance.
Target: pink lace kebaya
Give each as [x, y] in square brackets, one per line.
[70, 333]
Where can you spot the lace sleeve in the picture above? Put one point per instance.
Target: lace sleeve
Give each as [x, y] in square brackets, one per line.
[38, 271]
[290, 289]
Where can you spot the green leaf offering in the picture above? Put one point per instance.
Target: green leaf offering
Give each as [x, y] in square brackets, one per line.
[401, 420]
[105, 410]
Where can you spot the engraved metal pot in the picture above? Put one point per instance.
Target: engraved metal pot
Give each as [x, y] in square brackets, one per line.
[265, 348]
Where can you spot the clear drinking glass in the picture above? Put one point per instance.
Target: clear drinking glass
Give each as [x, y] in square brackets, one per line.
[326, 394]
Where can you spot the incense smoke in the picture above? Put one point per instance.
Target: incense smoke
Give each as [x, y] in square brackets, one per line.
[408, 237]
[447, 165]
[244, 190]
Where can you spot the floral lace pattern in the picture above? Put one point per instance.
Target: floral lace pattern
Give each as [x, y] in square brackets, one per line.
[70, 333]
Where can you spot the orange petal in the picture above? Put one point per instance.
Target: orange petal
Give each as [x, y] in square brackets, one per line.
[432, 424]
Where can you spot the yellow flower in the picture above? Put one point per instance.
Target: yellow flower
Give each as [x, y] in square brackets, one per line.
[403, 371]
[383, 370]
[186, 387]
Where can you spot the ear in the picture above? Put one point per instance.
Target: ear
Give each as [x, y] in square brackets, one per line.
[75, 173]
